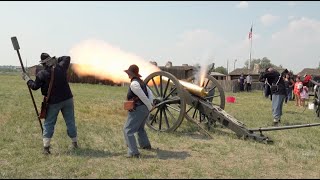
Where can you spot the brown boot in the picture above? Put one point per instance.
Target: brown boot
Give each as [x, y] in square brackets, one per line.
[147, 147]
[46, 150]
[75, 145]
[276, 122]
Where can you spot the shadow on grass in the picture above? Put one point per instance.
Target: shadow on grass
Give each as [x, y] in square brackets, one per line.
[165, 154]
[197, 133]
[87, 152]
[294, 112]
[159, 154]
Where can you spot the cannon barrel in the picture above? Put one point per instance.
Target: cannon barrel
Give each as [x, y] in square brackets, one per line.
[192, 88]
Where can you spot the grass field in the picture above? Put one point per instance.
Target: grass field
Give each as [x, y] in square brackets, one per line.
[182, 154]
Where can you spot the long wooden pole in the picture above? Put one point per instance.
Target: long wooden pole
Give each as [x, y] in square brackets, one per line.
[16, 47]
[285, 127]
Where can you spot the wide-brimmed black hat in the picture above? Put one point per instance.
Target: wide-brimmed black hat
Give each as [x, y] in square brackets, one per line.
[44, 57]
[133, 71]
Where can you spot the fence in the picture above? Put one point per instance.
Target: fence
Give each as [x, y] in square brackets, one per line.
[233, 85]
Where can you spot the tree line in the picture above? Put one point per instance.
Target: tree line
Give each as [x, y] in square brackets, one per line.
[263, 64]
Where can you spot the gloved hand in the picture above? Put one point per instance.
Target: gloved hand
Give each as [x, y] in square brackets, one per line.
[25, 77]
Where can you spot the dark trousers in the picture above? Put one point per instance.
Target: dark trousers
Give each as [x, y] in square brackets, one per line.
[267, 91]
[241, 87]
[248, 87]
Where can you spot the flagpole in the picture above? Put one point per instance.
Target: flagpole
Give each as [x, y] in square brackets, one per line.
[250, 54]
[250, 46]
[227, 66]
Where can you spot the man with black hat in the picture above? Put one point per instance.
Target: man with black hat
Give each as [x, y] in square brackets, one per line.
[60, 97]
[278, 91]
[137, 117]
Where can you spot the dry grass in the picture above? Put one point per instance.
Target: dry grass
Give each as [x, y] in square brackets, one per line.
[182, 154]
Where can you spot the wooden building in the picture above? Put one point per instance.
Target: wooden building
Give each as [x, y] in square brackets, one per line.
[218, 76]
[315, 73]
[180, 72]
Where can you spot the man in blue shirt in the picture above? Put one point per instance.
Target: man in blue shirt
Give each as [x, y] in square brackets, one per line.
[60, 98]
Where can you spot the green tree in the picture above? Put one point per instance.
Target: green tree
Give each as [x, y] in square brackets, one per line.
[253, 61]
[263, 63]
[221, 70]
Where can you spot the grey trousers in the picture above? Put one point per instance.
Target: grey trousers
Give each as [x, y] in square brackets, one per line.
[135, 124]
[67, 109]
[277, 104]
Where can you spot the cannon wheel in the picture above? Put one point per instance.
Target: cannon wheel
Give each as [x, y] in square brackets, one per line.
[170, 106]
[215, 97]
[216, 94]
[316, 97]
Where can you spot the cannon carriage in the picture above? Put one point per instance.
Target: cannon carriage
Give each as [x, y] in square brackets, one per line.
[176, 99]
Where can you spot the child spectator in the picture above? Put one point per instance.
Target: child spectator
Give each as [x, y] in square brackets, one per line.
[297, 86]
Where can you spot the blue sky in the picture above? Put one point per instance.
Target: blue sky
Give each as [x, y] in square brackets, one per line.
[187, 32]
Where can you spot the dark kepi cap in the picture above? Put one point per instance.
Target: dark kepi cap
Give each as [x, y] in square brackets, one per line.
[133, 71]
[44, 57]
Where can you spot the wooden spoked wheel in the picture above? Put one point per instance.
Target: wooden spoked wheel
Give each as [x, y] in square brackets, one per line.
[317, 101]
[215, 97]
[170, 106]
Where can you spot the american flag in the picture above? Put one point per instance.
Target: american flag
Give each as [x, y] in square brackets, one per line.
[250, 33]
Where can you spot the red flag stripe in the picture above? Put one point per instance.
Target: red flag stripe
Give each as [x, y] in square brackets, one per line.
[250, 33]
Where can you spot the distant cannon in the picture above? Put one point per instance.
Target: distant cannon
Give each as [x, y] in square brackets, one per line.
[175, 100]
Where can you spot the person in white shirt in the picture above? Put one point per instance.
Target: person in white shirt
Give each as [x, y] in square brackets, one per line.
[249, 82]
[137, 117]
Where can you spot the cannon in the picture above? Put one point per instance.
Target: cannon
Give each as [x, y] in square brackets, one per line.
[316, 95]
[175, 100]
